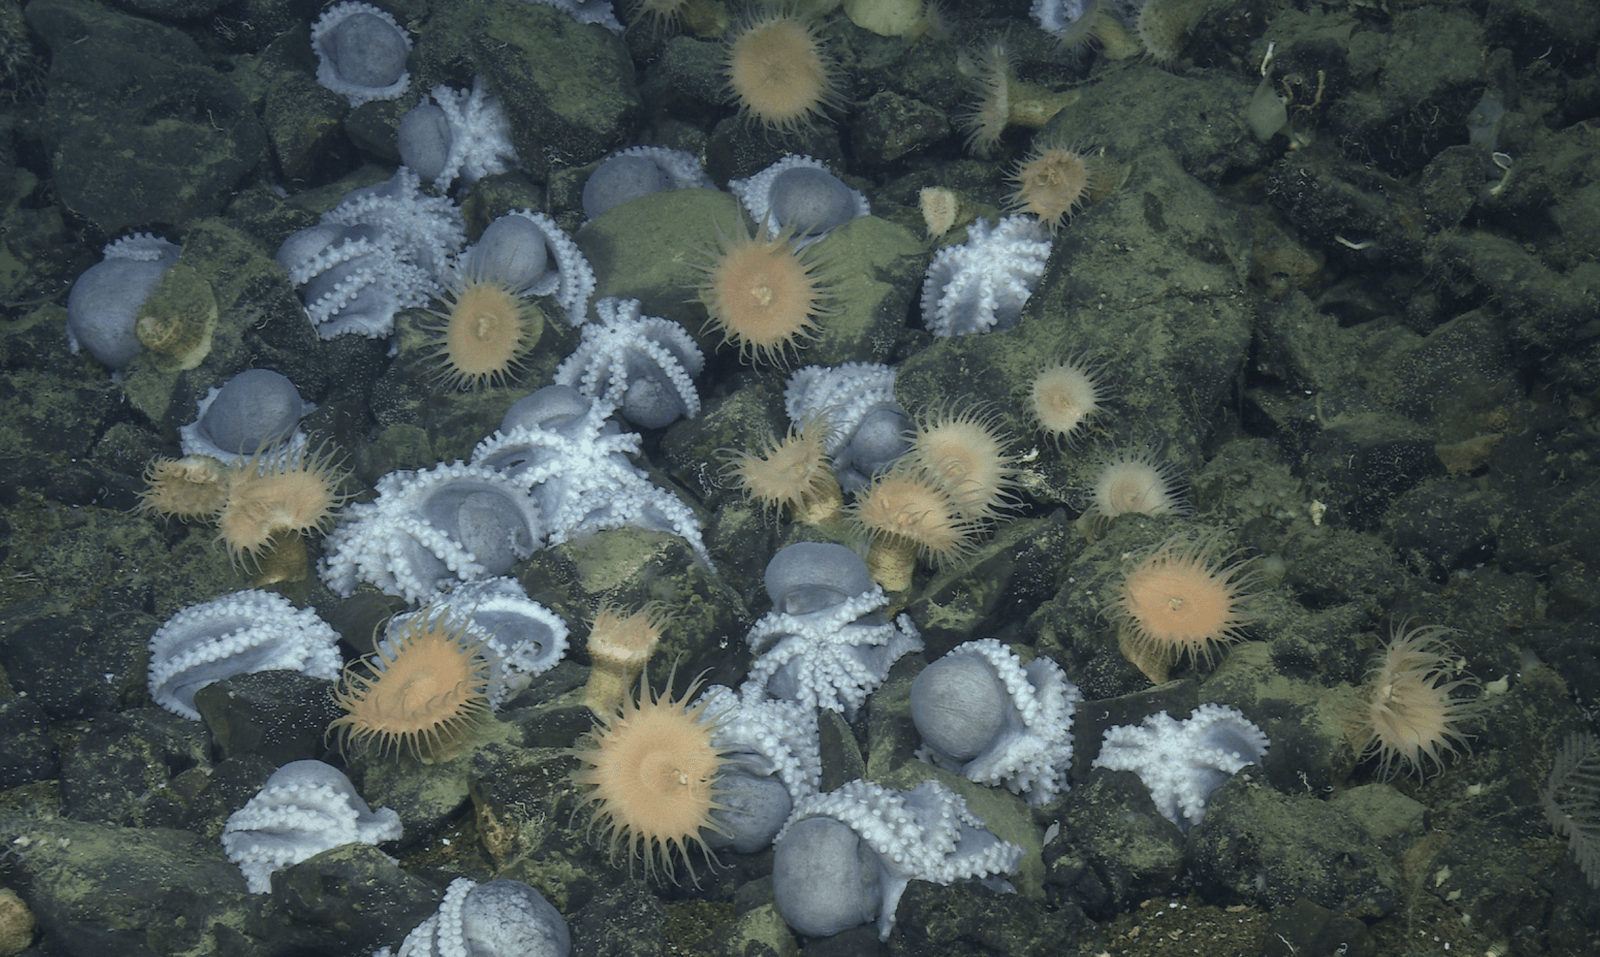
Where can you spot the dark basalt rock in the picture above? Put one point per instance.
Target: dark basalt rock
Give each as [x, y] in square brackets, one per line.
[112, 77]
[352, 897]
[1260, 846]
[26, 751]
[62, 659]
[142, 767]
[125, 892]
[1114, 848]
[281, 715]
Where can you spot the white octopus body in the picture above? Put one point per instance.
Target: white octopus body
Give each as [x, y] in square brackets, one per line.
[1033, 752]
[570, 473]
[1055, 16]
[983, 283]
[382, 249]
[328, 74]
[571, 281]
[755, 192]
[1182, 762]
[586, 11]
[501, 917]
[829, 658]
[305, 808]
[926, 834]
[626, 348]
[640, 505]
[583, 481]
[480, 134]
[241, 633]
[399, 542]
[843, 395]
[783, 733]
[683, 170]
[430, 229]
[192, 438]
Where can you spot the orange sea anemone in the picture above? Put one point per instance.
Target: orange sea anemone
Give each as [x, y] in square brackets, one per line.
[424, 689]
[650, 770]
[178, 319]
[1064, 398]
[1004, 100]
[619, 648]
[195, 486]
[944, 209]
[1084, 30]
[966, 454]
[274, 494]
[792, 473]
[912, 19]
[763, 294]
[1163, 25]
[1411, 713]
[780, 73]
[933, 23]
[1052, 183]
[661, 13]
[703, 18]
[1180, 600]
[1134, 482]
[907, 513]
[483, 333]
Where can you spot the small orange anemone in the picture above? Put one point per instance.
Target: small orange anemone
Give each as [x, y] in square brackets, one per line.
[707, 19]
[762, 294]
[943, 209]
[1412, 714]
[619, 648]
[907, 513]
[662, 14]
[792, 473]
[424, 689]
[274, 494]
[1052, 184]
[1164, 25]
[1180, 600]
[1133, 481]
[650, 770]
[195, 486]
[483, 333]
[1004, 100]
[1064, 398]
[966, 454]
[780, 73]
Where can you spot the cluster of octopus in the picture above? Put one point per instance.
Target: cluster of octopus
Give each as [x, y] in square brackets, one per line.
[734, 768]
[744, 763]
[742, 766]
[725, 769]
[392, 246]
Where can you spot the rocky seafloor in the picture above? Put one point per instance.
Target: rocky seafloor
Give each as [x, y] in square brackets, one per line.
[1370, 344]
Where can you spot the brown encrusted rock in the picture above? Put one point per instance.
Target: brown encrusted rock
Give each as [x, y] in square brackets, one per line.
[140, 128]
[16, 923]
[1255, 844]
[147, 890]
